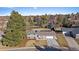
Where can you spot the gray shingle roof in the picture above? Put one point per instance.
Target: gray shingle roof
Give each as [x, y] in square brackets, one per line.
[67, 29]
[45, 33]
[74, 30]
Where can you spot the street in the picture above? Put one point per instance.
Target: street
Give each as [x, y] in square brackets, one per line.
[21, 49]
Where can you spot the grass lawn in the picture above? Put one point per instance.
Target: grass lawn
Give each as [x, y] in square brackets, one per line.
[23, 42]
[61, 40]
[31, 43]
[77, 40]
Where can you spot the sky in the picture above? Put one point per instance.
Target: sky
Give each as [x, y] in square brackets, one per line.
[4, 11]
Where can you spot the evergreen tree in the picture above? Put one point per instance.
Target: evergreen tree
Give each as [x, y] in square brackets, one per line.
[66, 23]
[16, 30]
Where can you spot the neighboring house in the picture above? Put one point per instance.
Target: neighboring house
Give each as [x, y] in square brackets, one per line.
[3, 24]
[66, 30]
[1, 33]
[73, 32]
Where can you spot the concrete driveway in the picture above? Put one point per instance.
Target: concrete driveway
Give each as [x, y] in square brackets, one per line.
[52, 42]
[72, 43]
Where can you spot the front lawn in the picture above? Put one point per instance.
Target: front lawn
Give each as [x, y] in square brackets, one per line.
[77, 40]
[61, 40]
[31, 43]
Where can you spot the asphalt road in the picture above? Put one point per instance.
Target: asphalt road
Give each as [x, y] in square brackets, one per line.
[23, 49]
[35, 49]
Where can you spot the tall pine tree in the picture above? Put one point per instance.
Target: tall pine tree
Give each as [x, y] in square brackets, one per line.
[16, 30]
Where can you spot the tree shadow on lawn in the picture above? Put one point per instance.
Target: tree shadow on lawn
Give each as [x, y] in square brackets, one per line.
[46, 48]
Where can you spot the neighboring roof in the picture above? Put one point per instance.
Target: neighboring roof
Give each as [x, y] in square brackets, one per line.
[74, 30]
[67, 29]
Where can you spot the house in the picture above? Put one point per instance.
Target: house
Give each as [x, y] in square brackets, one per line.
[34, 33]
[41, 34]
[44, 34]
[73, 32]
